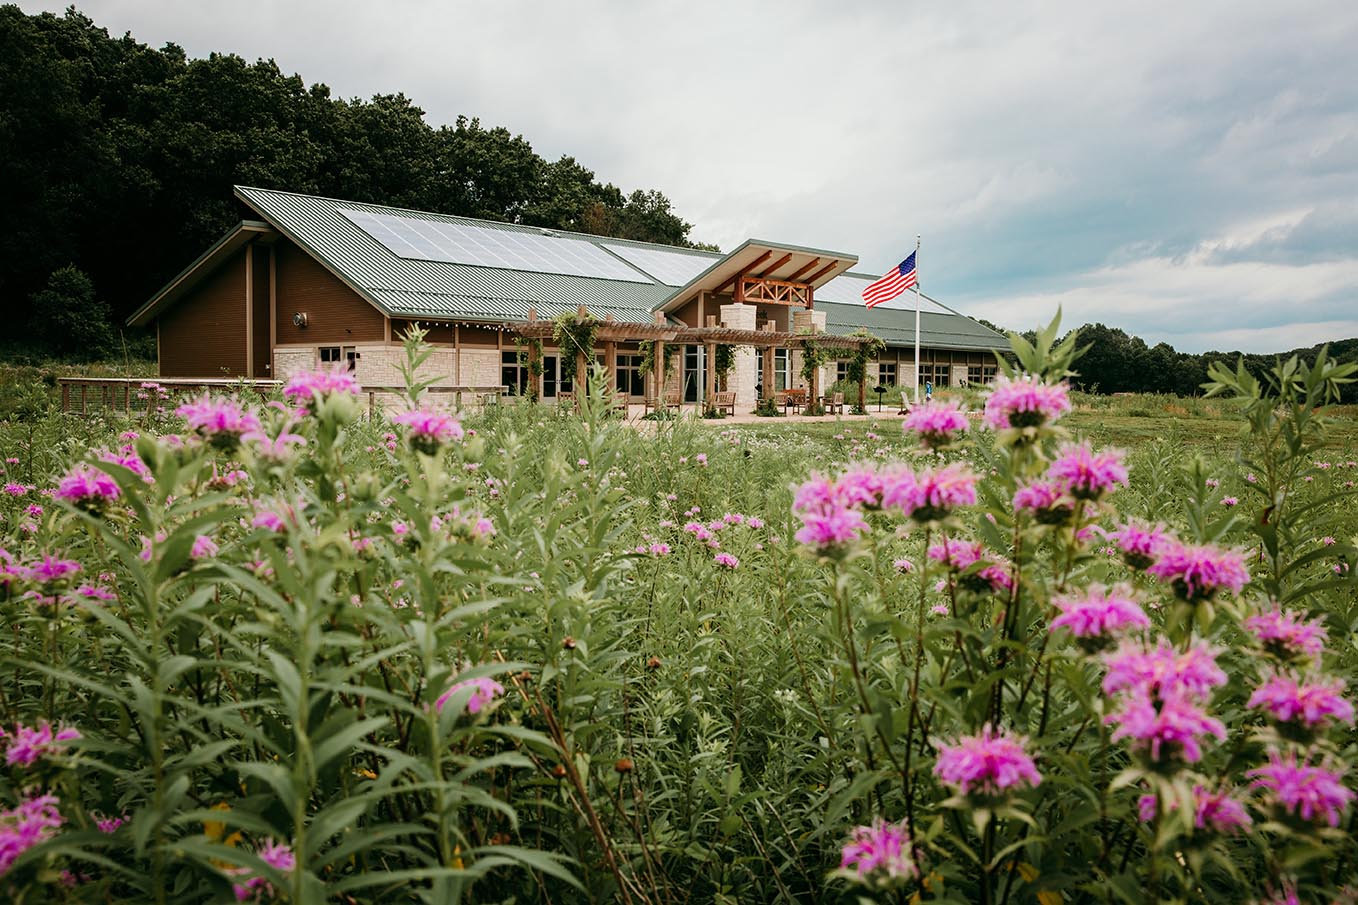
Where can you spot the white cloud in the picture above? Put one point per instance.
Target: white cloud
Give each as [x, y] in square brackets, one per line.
[1166, 168]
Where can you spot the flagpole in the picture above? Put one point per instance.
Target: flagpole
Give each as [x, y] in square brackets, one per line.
[917, 381]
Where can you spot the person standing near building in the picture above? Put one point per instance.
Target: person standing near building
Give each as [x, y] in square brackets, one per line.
[928, 391]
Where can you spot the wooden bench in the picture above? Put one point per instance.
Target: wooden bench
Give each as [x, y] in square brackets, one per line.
[663, 405]
[834, 403]
[725, 402]
[790, 400]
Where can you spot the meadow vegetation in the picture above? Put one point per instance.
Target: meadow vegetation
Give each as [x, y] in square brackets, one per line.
[280, 652]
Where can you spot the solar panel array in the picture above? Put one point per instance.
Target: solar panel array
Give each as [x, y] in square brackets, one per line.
[457, 243]
[848, 290]
[670, 268]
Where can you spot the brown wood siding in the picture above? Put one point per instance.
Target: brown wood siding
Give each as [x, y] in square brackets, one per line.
[336, 315]
[259, 317]
[203, 335]
[434, 333]
[478, 338]
[688, 314]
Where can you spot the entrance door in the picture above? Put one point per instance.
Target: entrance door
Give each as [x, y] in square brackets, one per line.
[555, 379]
[695, 373]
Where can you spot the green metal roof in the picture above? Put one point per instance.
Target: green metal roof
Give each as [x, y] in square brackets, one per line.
[404, 287]
[940, 326]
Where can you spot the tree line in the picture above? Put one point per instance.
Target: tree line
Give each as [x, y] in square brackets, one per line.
[1118, 362]
[117, 161]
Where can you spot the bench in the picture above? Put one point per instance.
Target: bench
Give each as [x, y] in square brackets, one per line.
[834, 403]
[725, 402]
[790, 400]
[663, 405]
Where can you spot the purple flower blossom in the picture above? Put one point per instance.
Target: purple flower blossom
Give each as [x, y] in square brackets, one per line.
[49, 570]
[428, 429]
[313, 387]
[1286, 635]
[1315, 704]
[219, 421]
[268, 520]
[835, 529]
[1219, 812]
[1166, 728]
[275, 854]
[727, 560]
[277, 449]
[109, 824]
[203, 547]
[33, 821]
[1100, 613]
[1087, 475]
[1046, 500]
[879, 854]
[989, 764]
[929, 495]
[484, 691]
[1024, 402]
[978, 571]
[88, 488]
[1302, 790]
[1197, 573]
[25, 746]
[1163, 671]
[1140, 546]
[936, 423]
[903, 566]
[16, 490]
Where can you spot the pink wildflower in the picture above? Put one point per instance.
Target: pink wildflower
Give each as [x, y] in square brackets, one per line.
[1046, 500]
[315, 386]
[33, 821]
[936, 423]
[1303, 790]
[1087, 475]
[903, 566]
[204, 547]
[88, 488]
[977, 571]
[930, 495]
[879, 854]
[859, 487]
[277, 449]
[270, 521]
[49, 570]
[1219, 811]
[1024, 402]
[16, 490]
[275, 854]
[1140, 546]
[727, 560]
[26, 746]
[1317, 704]
[428, 429]
[1197, 573]
[127, 458]
[109, 824]
[1163, 671]
[1100, 613]
[1164, 729]
[219, 421]
[831, 530]
[484, 691]
[989, 763]
[659, 549]
[1229, 501]
[1286, 635]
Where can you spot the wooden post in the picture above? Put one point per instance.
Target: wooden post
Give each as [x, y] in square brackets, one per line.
[610, 366]
[709, 397]
[659, 375]
[65, 397]
[813, 392]
[767, 363]
[534, 357]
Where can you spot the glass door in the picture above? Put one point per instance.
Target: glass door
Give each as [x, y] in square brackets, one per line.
[695, 373]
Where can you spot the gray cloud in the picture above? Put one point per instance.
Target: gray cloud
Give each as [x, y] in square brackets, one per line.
[1185, 171]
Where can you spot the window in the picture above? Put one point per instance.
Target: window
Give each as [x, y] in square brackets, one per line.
[936, 374]
[329, 355]
[512, 374]
[980, 374]
[886, 373]
[841, 371]
[780, 370]
[631, 381]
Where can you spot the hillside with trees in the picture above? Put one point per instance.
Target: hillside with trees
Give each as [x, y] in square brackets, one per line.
[117, 162]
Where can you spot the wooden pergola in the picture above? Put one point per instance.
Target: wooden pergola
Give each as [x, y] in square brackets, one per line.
[611, 332]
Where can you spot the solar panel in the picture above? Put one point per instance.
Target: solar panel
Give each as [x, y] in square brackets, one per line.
[668, 267]
[848, 290]
[457, 243]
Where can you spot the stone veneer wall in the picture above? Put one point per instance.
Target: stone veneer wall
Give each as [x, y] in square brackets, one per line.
[744, 376]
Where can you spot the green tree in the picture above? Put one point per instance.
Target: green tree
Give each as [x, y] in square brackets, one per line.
[69, 318]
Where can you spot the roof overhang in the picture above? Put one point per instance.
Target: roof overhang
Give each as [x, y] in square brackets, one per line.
[756, 258]
[237, 237]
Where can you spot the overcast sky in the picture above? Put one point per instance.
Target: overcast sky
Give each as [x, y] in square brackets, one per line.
[1187, 171]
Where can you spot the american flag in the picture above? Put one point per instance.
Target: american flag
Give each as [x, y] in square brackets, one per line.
[892, 283]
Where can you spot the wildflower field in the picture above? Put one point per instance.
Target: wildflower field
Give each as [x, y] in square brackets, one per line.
[275, 651]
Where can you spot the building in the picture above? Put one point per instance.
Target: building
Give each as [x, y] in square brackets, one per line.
[308, 281]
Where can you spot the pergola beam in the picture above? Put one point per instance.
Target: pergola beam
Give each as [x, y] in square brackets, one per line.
[751, 266]
[774, 266]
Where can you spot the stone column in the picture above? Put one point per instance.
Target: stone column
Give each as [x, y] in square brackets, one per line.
[745, 369]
